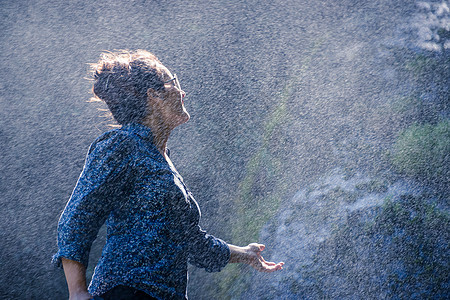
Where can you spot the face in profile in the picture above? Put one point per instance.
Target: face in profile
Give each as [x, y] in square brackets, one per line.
[173, 99]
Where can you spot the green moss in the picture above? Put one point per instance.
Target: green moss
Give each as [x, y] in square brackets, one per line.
[423, 151]
[231, 279]
[420, 64]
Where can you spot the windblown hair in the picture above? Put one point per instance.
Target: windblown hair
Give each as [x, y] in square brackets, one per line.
[121, 80]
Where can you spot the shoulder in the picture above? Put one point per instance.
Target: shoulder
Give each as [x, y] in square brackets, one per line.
[123, 141]
[113, 142]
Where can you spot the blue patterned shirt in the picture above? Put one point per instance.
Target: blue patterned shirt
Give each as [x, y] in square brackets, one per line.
[152, 219]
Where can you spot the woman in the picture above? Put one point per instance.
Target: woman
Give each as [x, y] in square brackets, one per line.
[129, 181]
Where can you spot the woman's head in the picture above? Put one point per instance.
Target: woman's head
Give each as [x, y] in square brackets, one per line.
[122, 79]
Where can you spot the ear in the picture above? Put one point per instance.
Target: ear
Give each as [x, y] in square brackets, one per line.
[154, 96]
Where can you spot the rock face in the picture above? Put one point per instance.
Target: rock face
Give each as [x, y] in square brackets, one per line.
[355, 237]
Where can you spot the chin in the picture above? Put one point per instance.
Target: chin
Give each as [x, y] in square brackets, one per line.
[187, 117]
[183, 118]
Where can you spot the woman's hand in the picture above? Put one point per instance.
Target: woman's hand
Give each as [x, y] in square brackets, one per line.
[251, 255]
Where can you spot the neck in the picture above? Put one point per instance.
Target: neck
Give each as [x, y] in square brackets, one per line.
[160, 130]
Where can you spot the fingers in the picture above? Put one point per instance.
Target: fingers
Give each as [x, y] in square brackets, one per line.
[259, 263]
[272, 264]
[268, 267]
[262, 260]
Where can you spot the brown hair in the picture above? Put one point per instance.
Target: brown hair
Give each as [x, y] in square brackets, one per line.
[121, 80]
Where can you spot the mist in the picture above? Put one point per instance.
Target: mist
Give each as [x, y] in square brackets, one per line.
[319, 128]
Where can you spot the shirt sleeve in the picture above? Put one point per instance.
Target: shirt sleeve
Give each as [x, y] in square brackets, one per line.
[207, 251]
[102, 183]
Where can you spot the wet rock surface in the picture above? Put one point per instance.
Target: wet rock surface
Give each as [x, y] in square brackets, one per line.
[354, 237]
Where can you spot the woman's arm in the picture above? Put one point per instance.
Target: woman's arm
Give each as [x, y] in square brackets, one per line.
[76, 279]
[99, 188]
[214, 254]
[251, 255]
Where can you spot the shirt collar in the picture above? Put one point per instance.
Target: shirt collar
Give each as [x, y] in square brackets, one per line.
[142, 131]
[139, 129]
